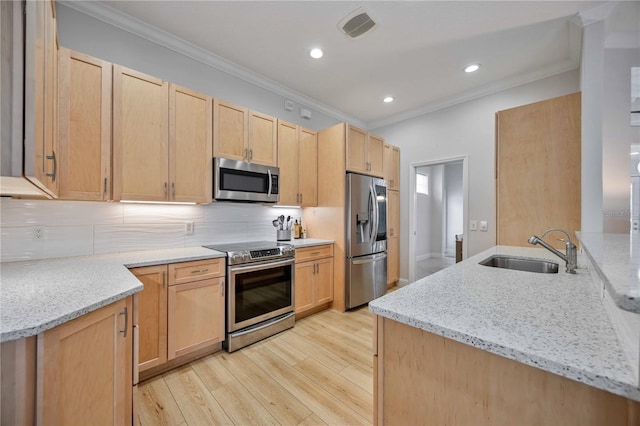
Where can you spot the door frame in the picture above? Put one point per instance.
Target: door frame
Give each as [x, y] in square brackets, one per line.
[413, 203]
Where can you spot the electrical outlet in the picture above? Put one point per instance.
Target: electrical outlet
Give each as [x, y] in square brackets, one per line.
[188, 228]
[38, 233]
[483, 225]
[473, 225]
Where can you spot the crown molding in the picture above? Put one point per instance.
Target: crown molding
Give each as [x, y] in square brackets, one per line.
[595, 14]
[111, 16]
[489, 89]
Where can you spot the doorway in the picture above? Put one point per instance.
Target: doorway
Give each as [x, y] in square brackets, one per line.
[439, 213]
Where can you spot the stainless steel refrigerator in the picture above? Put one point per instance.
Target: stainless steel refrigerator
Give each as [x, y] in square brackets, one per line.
[366, 250]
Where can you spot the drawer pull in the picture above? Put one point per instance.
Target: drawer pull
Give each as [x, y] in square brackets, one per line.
[197, 271]
[314, 253]
[126, 321]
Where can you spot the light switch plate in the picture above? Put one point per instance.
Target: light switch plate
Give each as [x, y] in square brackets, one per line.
[188, 228]
[483, 225]
[473, 225]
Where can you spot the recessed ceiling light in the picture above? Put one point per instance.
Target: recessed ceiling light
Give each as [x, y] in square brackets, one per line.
[316, 53]
[472, 68]
[388, 99]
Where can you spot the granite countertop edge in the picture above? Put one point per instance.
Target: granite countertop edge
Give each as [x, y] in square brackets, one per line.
[107, 276]
[626, 390]
[623, 301]
[460, 302]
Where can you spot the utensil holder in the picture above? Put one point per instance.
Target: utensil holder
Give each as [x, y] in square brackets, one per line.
[283, 234]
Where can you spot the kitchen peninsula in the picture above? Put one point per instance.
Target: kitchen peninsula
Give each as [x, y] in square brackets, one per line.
[474, 344]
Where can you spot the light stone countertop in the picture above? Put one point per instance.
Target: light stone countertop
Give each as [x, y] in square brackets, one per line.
[308, 242]
[616, 259]
[555, 322]
[38, 295]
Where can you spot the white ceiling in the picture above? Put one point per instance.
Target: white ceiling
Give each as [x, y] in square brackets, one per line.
[416, 52]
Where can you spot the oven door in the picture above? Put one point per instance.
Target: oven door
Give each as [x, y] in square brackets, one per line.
[258, 292]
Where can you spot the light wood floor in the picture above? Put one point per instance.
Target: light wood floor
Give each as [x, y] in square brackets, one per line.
[319, 372]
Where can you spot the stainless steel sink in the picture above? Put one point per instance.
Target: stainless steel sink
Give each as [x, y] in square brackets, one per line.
[521, 264]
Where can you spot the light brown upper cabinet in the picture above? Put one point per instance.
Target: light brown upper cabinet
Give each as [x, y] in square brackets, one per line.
[190, 145]
[538, 170]
[297, 160]
[84, 126]
[162, 140]
[140, 136]
[40, 105]
[365, 152]
[244, 135]
[392, 166]
[230, 130]
[263, 139]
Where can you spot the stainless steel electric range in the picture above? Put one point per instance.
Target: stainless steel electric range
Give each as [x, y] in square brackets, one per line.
[260, 290]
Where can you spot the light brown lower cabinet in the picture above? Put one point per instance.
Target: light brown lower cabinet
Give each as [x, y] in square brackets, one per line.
[152, 316]
[314, 279]
[424, 378]
[180, 312]
[84, 369]
[196, 316]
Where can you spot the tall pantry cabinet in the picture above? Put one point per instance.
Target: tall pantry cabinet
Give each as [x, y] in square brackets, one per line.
[392, 176]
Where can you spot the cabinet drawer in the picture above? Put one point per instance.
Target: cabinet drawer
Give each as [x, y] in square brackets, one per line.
[195, 271]
[311, 253]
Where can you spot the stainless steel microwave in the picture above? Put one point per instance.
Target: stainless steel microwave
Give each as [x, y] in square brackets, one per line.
[241, 181]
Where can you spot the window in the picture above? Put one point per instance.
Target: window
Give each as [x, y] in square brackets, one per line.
[422, 184]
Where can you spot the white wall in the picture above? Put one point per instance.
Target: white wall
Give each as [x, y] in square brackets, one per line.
[454, 202]
[465, 129]
[617, 136]
[76, 228]
[85, 34]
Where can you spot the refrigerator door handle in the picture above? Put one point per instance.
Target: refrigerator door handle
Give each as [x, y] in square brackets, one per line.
[374, 212]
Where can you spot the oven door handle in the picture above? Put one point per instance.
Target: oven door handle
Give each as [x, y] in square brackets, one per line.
[259, 266]
[261, 326]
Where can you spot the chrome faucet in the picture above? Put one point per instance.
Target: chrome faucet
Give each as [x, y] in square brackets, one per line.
[571, 258]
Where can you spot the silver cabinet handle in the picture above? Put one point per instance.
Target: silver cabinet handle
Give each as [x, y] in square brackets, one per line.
[173, 190]
[301, 198]
[250, 154]
[165, 189]
[105, 186]
[55, 166]
[164, 279]
[246, 154]
[126, 321]
[199, 270]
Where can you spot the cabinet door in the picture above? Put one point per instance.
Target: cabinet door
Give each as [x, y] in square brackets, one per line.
[392, 166]
[324, 281]
[196, 315]
[304, 291]
[190, 145]
[263, 139]
[230, 131]
[308, 165]
[288, 163]
[152, 316]
[84, 369]
[84, 126]
[40, 127]
[375, 149]
[140, 136]
[538, 146]
[357, 150]
[393, 260]
[393, 207]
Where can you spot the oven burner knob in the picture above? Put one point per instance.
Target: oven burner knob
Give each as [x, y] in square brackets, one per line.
[246, 257]
[236, 257]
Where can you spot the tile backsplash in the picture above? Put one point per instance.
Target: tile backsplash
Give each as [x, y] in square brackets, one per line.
[75, 228]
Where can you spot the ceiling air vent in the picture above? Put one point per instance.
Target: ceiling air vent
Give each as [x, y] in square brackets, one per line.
[357, 24]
